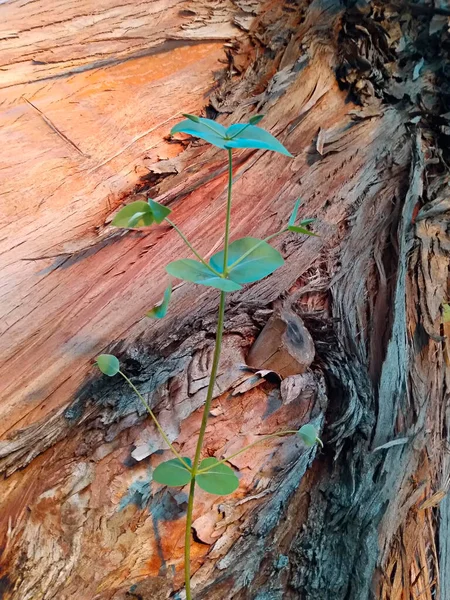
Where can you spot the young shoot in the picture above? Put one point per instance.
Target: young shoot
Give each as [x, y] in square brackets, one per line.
[240, 262]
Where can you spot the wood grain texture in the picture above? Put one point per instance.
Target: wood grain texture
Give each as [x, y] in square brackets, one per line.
[88, 95]
[56, 200]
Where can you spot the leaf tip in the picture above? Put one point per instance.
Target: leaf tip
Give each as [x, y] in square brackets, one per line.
[193, 118]
[256, 119]
[160, 310]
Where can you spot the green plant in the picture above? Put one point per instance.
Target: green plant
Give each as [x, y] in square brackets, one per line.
[243, 261]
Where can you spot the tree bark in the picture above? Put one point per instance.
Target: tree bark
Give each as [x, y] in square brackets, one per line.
[359, 92]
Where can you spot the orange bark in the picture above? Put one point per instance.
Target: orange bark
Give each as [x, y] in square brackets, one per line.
[88, 97]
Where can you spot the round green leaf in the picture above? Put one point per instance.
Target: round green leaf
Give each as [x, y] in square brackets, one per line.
[136, 214]
[159, 211]
[220, 479]
[160, 310]
[257, 259]
[108, 364]
[192, 270]
[309, 434]
[173, 472]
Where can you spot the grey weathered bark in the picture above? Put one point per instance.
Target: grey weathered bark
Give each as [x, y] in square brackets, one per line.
[359, 92]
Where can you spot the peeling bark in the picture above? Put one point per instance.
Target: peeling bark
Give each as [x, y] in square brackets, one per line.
[359, 93]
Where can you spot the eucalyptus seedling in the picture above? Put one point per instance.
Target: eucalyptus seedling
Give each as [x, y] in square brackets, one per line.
[242, 261]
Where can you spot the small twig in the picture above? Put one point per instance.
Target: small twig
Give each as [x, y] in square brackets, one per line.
[56, 130]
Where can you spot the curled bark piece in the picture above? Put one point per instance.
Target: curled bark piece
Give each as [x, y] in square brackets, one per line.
[284, 345]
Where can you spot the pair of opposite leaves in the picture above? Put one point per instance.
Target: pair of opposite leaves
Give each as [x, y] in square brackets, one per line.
[249, 259]
[217, 478]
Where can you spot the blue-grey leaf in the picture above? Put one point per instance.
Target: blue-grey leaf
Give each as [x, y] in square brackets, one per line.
[206, 129]
[297, 229]
[309, 434]
[173, 472]
[191, 117]
[212, 125]
[209, 137]
[159, 211]
[256, 119]
[135, 214]
[220, 479]
[160, 310]
[108, 364]
[254, 137]
[257, 259]
[294, 212]
[196, 272]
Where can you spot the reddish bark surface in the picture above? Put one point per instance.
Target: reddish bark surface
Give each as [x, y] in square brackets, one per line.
[359, 93]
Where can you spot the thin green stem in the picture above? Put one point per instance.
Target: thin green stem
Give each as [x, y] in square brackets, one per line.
[155, 420]
[209, 393]
[263, 439]
[212, 380]
[265, 240]
[187, 540]
[269, 237]
[228, 217]
[192, 249]
[201, 435]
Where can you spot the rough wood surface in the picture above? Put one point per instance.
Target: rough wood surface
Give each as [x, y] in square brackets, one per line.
[359, 93]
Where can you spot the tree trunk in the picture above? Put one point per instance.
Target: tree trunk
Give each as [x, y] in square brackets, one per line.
[359, 92]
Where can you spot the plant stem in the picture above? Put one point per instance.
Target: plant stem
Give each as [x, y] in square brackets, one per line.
[209, 393]
[269, 237]
[155, 420]
[201, 435]
[263, 439]
[192, 249]
[228, 217]
[187, 540]
[212, 380]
